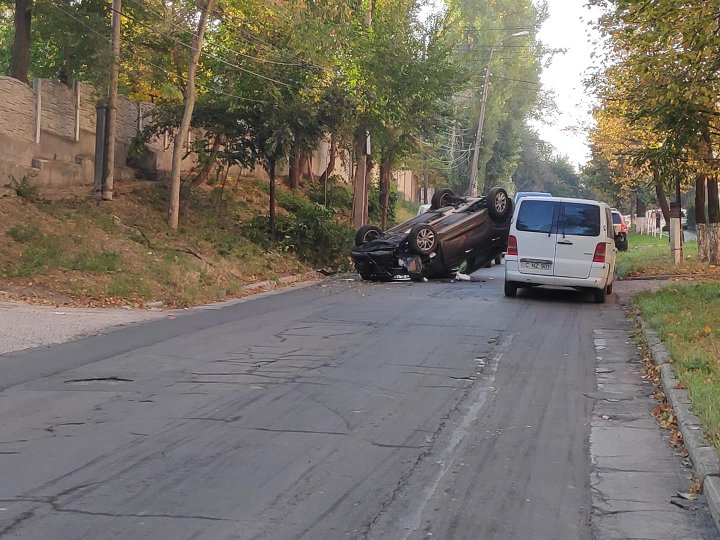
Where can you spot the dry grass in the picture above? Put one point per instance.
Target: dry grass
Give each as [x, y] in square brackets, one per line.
[123, 252]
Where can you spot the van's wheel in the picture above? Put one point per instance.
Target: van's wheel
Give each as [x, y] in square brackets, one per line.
[499, 205]
[440, 198]
[600, 295]
[366, 233]
[609, 288]
[423, 239]
[510, 289]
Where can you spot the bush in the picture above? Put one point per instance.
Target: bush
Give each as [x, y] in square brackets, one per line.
[23, 187]
[24, 233]
[374, 207]
[312, 234]
[338, 196]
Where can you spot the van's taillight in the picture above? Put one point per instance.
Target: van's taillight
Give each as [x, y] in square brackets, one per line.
[599, 255]
[512, 245]
[623, 227]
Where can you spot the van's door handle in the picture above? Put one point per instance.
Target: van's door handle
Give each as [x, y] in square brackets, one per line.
[565, 242]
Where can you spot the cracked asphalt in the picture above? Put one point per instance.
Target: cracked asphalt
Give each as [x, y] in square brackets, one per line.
[344, 410]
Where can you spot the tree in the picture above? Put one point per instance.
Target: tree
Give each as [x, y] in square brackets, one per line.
[190, 95]
[20, 60]
[664, 77]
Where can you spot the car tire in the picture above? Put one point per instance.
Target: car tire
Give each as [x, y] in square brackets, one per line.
[510, 289]
[423, 239]
[366, 233]
[440, 197]
[498, 259]
[600, 295]
[499, 204]
[609, 288]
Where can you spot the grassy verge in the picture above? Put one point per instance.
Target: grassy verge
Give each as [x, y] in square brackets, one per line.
[122, 252]
[651, 256]
[687, 317]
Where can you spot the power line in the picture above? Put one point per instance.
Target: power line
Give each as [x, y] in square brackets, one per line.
[211, 55]
[166, 71]
[190, 32]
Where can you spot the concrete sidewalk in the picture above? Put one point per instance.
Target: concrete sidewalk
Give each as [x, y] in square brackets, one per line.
[24, 325]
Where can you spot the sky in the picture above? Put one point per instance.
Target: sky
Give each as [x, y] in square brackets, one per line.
[567, 28]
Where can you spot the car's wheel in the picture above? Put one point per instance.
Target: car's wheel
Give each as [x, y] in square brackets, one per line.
[423, 239]
[440, 198]
[499, 204]
[498, 258]
[609, 288]
[366, 233]
[600, 295]
[510, 289]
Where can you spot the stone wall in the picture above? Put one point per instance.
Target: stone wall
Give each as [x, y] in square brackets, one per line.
[65, 153]
[17, 105]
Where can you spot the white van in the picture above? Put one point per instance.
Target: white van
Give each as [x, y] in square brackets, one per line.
[561, 242]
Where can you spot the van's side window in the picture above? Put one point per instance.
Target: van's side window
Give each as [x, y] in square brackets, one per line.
[536, 216]
[580, 219]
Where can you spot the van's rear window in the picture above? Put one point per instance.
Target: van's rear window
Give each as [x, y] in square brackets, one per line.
[616, 218]
[536, 216]
[580, 219]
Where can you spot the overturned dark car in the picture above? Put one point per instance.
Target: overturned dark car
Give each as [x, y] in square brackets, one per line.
[457, 234]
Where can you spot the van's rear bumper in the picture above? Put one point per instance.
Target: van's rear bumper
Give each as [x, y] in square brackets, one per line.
[598, 279]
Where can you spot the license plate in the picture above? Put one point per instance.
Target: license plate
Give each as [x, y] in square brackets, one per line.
[536, 265]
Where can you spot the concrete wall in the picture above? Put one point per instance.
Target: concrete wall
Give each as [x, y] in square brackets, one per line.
[48, 133]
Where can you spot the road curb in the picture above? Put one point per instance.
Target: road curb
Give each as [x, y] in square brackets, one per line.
[704, 457]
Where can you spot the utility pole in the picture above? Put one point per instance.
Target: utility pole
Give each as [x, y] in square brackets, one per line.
[472, 189]
[362, 150]
[108, 180]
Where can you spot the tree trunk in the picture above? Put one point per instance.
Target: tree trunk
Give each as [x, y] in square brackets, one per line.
[700, 217]
[426, 185]
[20, 59]
[662, 199]
[713, 221]
[306, 168]
[205, 170]
[331, 163]
[385, 182]
[640, 209]
[359, 207]
[190, 94]
[271, 172]
[294, 167]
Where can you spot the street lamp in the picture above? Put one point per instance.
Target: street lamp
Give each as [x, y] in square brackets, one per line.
[472, 189]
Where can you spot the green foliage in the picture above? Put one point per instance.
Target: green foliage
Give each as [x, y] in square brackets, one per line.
[23, 187]
[312, 234]
[375, 206]
[105, 261]
[24, 233]
[337, 195]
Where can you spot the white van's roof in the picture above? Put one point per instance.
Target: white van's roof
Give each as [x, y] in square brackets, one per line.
[562, 199]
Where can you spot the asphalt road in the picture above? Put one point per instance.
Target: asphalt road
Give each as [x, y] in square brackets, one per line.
[340, 410]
